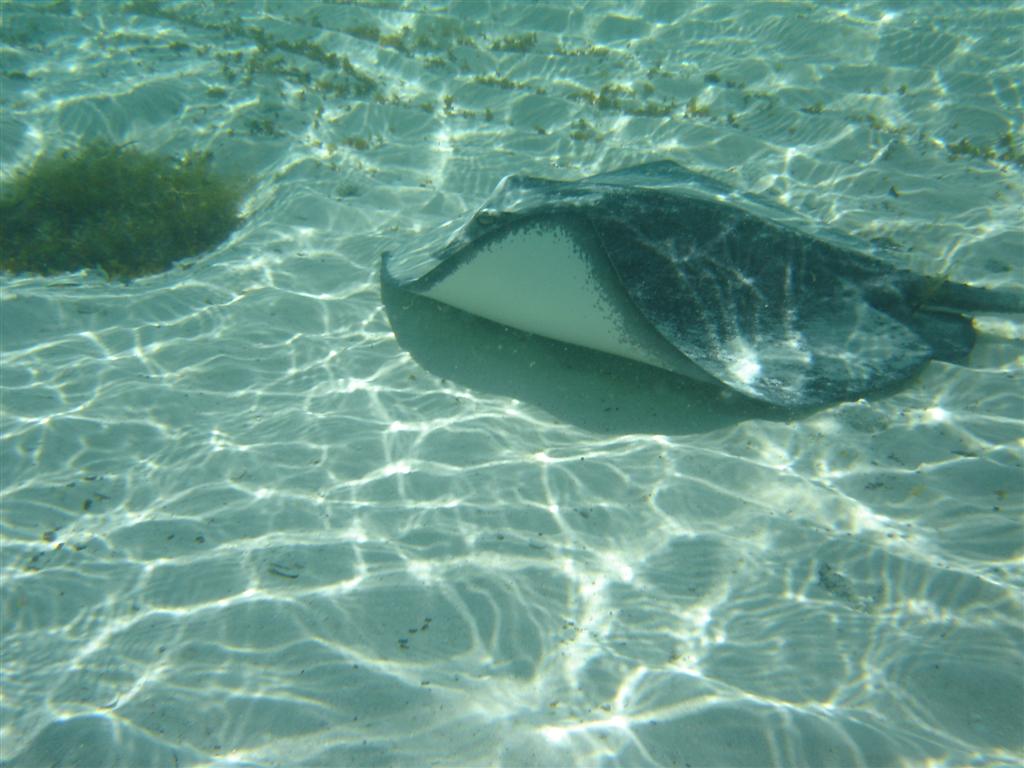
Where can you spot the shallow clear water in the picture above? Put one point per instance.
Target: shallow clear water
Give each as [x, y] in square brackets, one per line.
[242, 525]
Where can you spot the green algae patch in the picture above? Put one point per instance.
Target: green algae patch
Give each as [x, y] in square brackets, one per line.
[115, 209]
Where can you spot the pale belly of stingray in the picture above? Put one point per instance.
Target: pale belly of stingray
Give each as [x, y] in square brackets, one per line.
[543, 279]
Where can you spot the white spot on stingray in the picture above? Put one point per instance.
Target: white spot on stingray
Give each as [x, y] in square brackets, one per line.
[743, 362]
[746, 370]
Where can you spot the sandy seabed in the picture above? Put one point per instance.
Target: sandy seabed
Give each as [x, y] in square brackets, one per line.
[243, 525]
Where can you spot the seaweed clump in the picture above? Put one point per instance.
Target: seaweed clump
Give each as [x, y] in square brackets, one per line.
[115, 209]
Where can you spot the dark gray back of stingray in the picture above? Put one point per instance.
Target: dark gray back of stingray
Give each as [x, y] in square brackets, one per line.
[778, 314]
[783, 315]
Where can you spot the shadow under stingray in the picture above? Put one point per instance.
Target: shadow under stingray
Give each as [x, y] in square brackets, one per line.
[592, 390]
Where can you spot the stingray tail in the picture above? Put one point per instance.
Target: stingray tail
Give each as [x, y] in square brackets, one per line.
[940, 312]
[940, 294]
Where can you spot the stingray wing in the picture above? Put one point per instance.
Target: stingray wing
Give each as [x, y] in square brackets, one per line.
[827, 352]
[765, 309]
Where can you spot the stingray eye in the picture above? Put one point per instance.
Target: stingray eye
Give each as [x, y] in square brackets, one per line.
[487, 218]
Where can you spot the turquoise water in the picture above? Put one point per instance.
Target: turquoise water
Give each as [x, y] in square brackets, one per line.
[243, 525]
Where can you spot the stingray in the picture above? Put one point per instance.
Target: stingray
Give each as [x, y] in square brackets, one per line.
[670, 268]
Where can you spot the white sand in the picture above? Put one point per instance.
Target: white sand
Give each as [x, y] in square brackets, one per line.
[243, 526]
